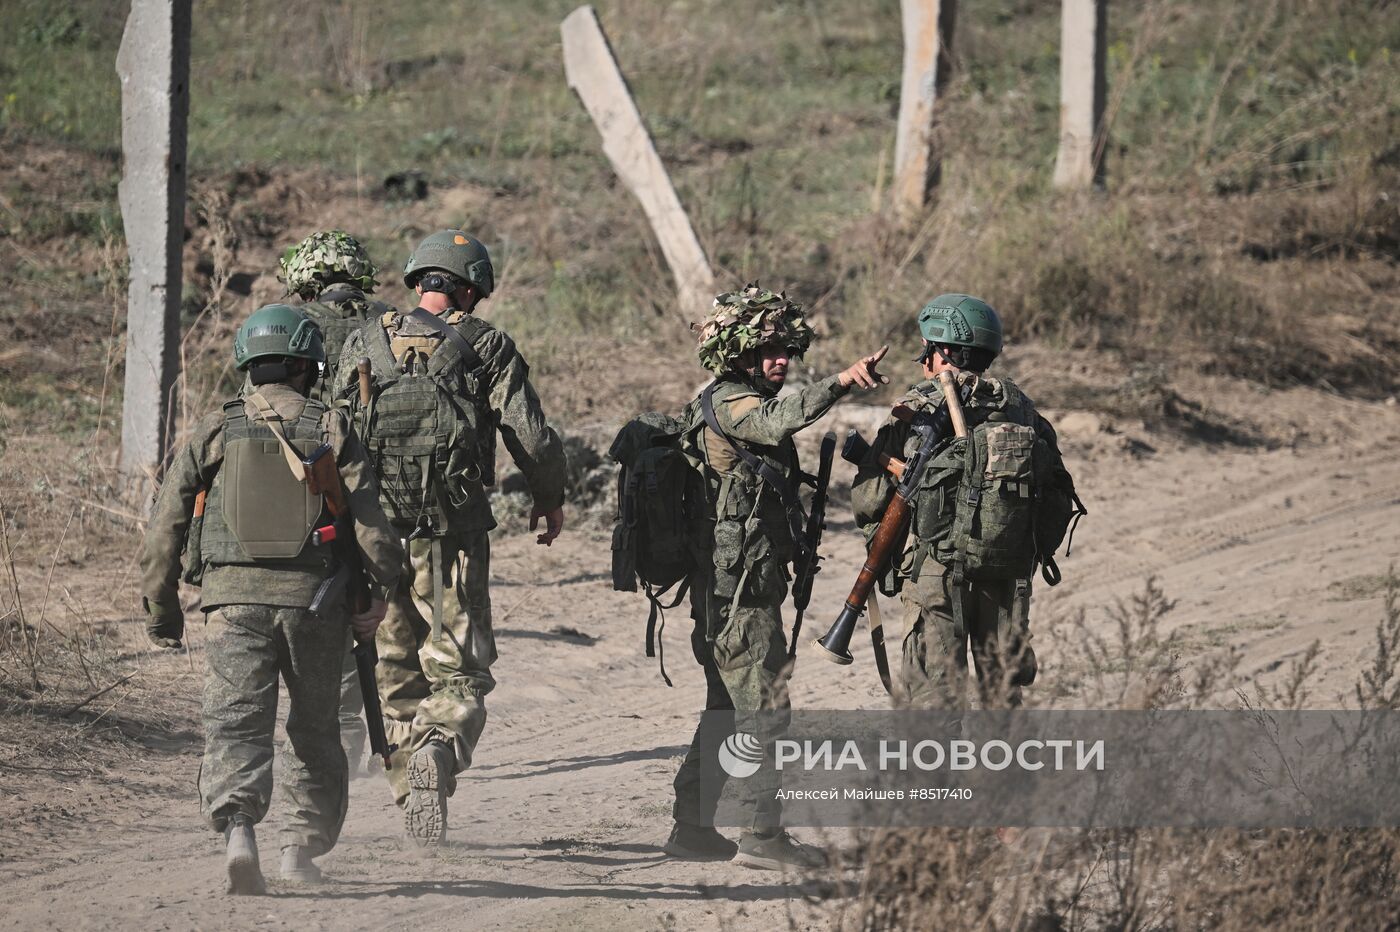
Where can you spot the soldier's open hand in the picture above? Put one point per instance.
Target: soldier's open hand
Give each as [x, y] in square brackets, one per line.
[367, 622]
[553, 524]
[863, 372]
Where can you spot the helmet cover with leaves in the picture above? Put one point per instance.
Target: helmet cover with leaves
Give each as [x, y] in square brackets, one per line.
[325, 258]
[747, 319]
[961, 320]
[456, 252]
[277, 330]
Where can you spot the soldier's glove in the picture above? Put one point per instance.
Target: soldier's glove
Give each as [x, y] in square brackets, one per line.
[164, 627]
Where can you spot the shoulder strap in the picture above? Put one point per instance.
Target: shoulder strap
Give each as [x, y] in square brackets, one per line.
[787, 494]
[273, 420]
[470, 357]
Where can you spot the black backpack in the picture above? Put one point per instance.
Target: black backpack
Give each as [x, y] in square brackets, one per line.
[660, 499]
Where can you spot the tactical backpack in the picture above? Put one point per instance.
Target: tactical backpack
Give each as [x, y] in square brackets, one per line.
[660, 496]
[425, 427]
[1013, 501]
[339, 312]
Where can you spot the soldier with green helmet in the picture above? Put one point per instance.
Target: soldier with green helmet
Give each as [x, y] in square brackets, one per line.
[746, 443]
[445, 383]
[331, 272]
[235, 509]
[981, 522]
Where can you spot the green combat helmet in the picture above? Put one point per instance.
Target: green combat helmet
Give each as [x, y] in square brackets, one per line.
[961, 320]
[277, 330]
[747, 319]
[452, 251]
[326, 258]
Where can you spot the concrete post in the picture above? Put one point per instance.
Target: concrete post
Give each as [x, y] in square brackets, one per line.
[593, 73]
[1083, 87]
[154, 65]
[928, 40]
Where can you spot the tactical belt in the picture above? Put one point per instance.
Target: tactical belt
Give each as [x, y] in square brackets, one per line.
[787, 492]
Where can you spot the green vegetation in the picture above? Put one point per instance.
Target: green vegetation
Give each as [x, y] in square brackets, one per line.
[1251, 188]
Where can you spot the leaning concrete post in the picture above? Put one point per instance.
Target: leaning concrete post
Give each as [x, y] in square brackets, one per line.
[593, 73]
[154, 65]
[928, 41]
[1083, 86]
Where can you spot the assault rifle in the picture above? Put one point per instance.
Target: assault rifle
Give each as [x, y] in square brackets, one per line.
[932, 428]
[323, 478]
[809, 560]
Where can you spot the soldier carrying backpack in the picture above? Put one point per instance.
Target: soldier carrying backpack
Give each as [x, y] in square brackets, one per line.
[444, 382]
[741, 522]
[992, 508]
[332, 274]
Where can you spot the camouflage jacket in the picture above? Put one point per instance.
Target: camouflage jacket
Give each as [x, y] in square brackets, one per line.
[193, 469]
[932, 505]
[339, 311]
[509, 402]
[750, 520]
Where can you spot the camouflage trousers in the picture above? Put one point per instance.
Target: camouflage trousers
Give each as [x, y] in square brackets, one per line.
[249, 647]
[354, 738]
[746, 671]
[434, 687]
[993, 627]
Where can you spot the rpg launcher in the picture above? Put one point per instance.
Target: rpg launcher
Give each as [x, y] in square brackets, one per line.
[932, 428]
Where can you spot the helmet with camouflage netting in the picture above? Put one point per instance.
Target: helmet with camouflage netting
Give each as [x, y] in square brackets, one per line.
[277, 330]
[747, 319]
[325, 258]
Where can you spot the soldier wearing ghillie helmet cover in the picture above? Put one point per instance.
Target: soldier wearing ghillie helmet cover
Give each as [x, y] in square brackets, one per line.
[332, 273]
[748, 341]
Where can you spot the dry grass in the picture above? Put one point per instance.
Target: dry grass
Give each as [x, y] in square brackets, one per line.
[1130, 879]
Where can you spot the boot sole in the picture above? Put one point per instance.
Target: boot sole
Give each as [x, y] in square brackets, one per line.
[425, 813]
[690, 854]
[758, 862]
[245, 878]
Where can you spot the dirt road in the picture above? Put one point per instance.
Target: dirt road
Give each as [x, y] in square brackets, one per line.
[557, 826]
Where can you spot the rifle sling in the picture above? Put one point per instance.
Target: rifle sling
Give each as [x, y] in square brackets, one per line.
[787, 494]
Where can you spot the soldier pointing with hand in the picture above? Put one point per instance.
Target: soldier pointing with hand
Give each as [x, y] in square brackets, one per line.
[750, 464]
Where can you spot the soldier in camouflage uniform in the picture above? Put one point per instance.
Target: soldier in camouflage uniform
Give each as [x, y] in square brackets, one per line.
[445, 382]
[947, 617]
[748, 342]
[332, 274]
[251, 553]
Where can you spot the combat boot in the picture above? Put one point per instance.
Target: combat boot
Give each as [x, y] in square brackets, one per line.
[241, 858]
[698, 843]
[430, 781]
[297, 866]
[778, 852]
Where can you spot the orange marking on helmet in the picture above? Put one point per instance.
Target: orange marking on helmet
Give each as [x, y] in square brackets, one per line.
[459, 239]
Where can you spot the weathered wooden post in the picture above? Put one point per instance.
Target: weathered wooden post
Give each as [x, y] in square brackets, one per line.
[592, 71]
[154, 65]
[928, 41]
[1083, 87]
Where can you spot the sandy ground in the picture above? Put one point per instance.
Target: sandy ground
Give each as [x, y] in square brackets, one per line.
[1267, 548]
